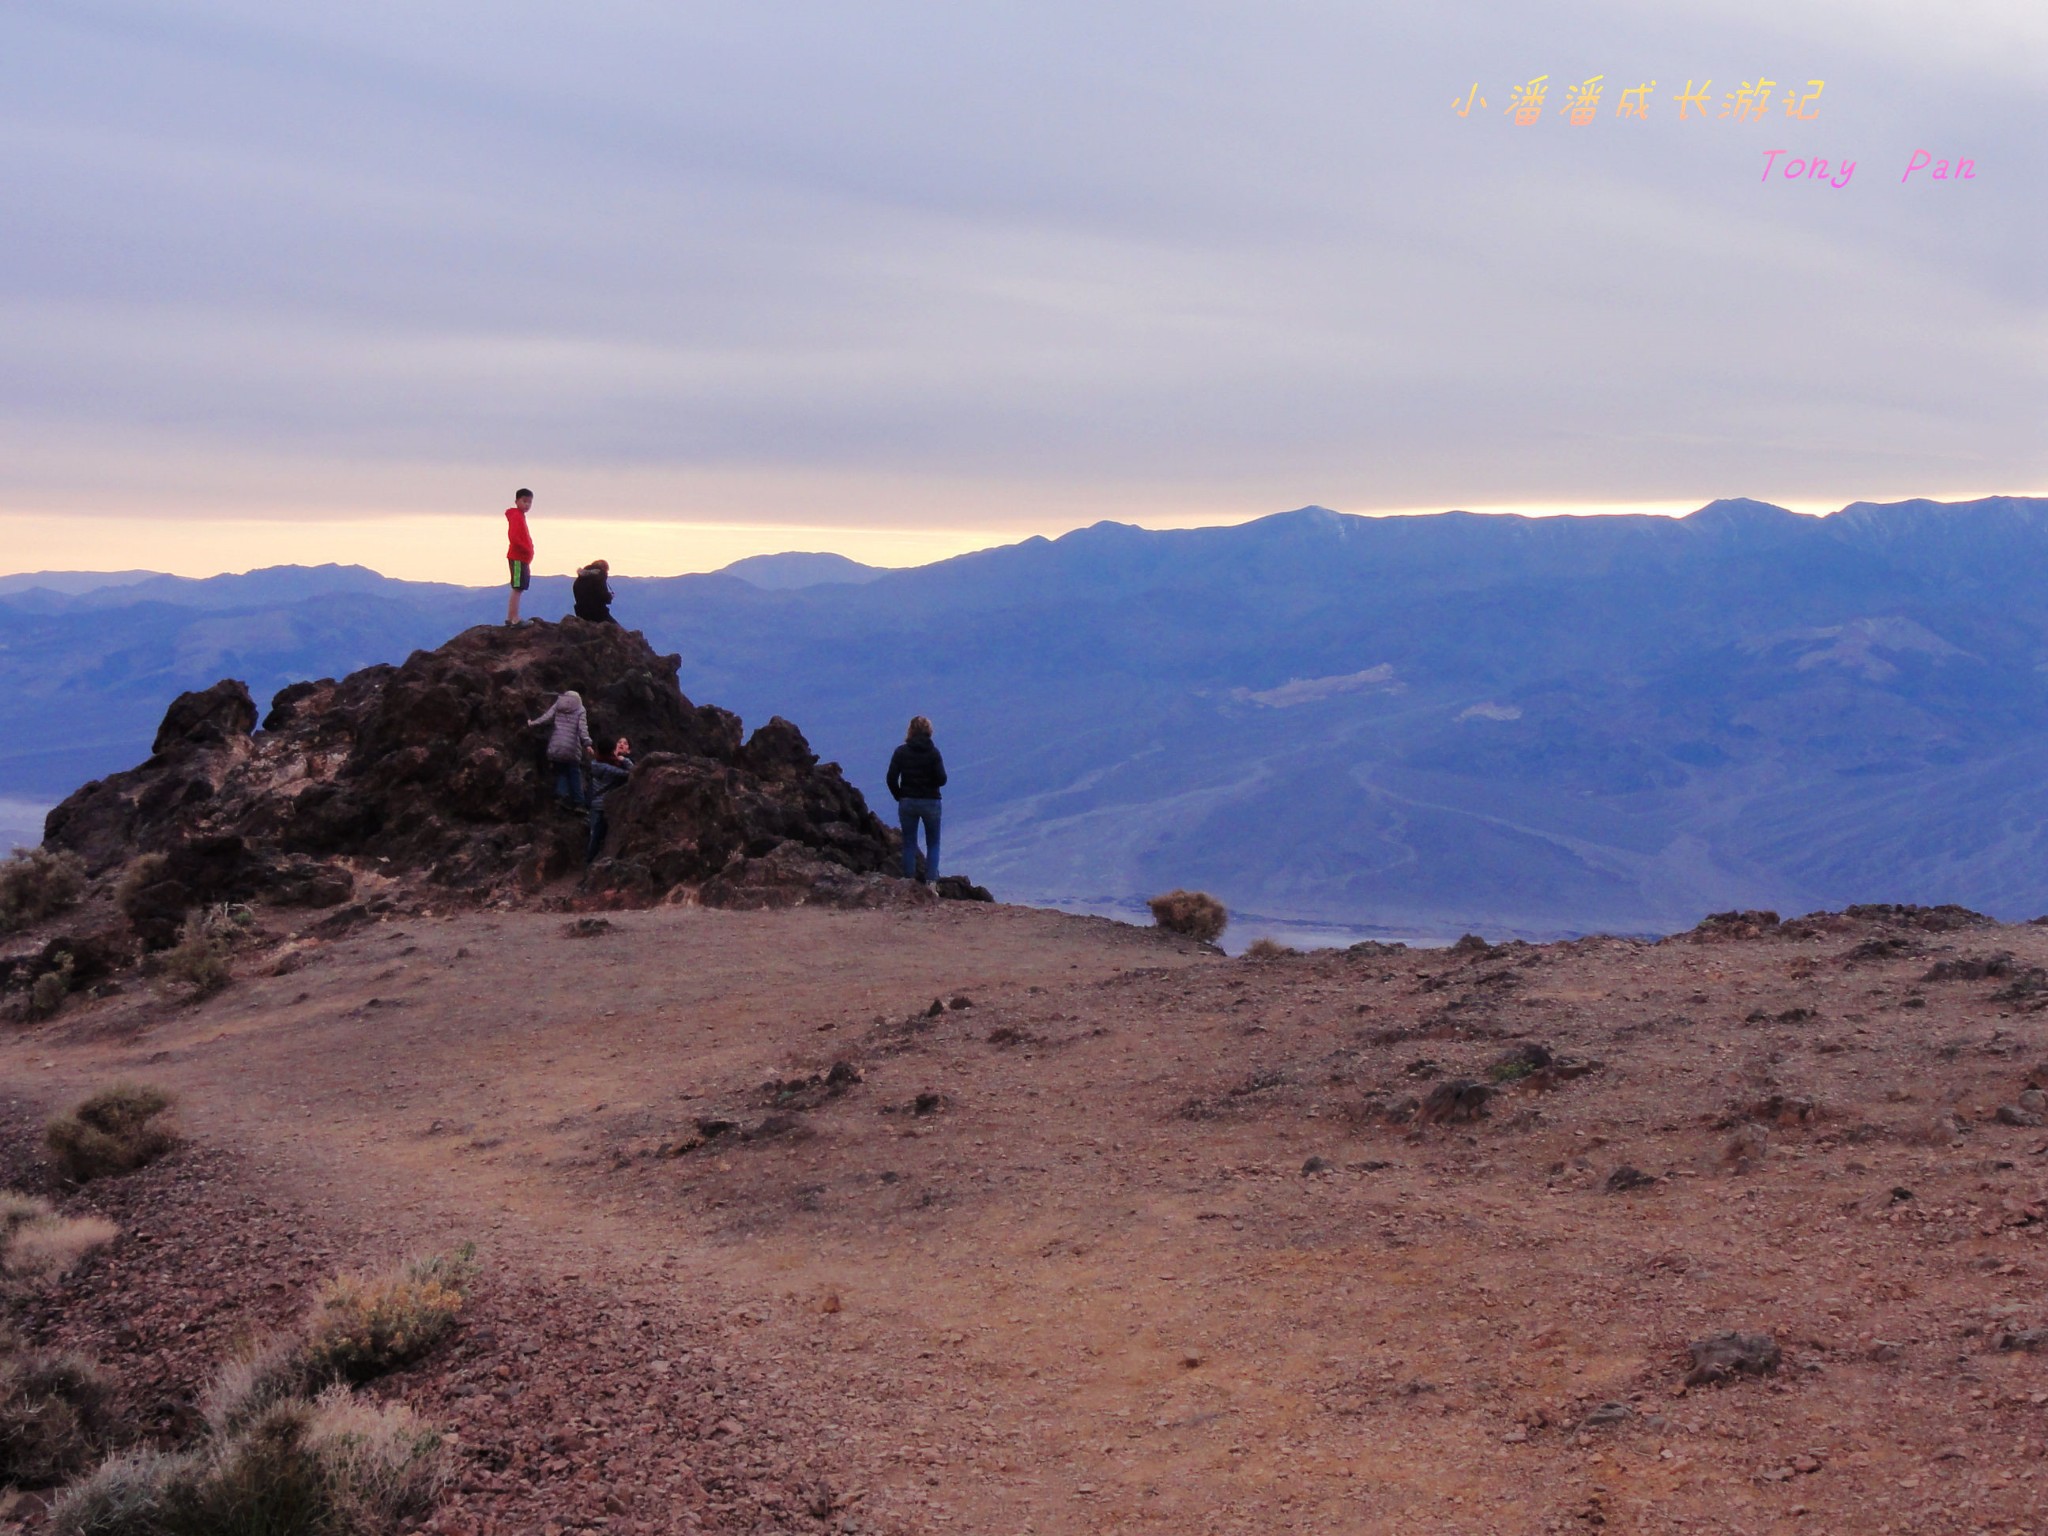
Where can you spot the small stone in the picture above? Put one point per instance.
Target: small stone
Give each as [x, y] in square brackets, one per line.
[1317, 1165]
[1626, 1178]
[1723, 1356]
[1746, 1148]
[1607, 1413]
[1515, 1436]
[1189, 1360]
[829, 1302]
[2013, 1114]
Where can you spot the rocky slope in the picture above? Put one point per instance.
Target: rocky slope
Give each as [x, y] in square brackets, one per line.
[428, 773]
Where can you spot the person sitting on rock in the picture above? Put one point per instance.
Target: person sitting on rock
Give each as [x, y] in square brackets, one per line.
[916, 772]
[593, 593]
[568, 745]
[605, 776]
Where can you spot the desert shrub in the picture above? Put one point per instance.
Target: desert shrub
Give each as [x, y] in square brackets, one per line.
[114, 1131]
[36, 1244]
[47, 993]
[123, 1497]
[364, 1327]
[1192, 914]
[199, 959]
[1268, 949]
[380, 1463]
[337, 1466]
[37, 882]
[18, 1210]
[268, 1372]
[46, 1247]
[53, 1414]
[143, 872]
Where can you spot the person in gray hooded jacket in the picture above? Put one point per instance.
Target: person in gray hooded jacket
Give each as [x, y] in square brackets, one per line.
[568, 746]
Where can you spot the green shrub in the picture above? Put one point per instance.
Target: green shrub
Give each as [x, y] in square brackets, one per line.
[36, 883]
[1192, 914]
[112, 1132]
[53, 1414]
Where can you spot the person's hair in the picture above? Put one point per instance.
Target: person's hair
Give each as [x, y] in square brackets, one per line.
[522, 494]
[919, 726]
[600, 565]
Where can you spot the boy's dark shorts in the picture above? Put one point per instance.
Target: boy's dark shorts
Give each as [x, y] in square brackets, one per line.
[522, 575]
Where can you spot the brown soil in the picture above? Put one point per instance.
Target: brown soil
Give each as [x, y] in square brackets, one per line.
[1052, 1262]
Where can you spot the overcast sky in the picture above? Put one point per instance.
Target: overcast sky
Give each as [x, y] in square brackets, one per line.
[329, 282]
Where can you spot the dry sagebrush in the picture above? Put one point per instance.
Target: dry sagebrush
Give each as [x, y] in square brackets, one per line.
[38, 1245]
[289, 1450]
[114, 1131]
[200, 959]
[364, 1327]
[36, 883]
[336, 1466]
[1192, 914]
[53, 1414]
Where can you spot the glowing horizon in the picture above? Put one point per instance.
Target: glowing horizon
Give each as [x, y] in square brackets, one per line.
[467, 549]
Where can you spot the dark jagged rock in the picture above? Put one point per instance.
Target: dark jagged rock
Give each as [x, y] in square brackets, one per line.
[428, 773]
[212, 717]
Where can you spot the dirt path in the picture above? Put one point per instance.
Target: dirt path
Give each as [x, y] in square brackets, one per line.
[1052, 1263]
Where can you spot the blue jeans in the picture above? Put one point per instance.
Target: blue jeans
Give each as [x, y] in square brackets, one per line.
[569, 783]
[910, 813]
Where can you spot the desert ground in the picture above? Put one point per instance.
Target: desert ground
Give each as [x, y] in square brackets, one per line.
[1093, 1229]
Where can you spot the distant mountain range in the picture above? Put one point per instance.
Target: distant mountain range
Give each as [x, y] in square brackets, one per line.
[1418, 724]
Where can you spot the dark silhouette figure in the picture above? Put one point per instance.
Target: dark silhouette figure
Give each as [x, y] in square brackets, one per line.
[916, 774]
[593, 593]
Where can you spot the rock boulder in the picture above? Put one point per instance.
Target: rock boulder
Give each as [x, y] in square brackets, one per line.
[427, 773]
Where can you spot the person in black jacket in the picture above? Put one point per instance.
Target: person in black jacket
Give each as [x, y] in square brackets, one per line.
[604, 776]
[593, 593]
[916, 772]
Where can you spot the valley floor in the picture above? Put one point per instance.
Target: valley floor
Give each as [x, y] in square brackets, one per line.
[1122, 1235]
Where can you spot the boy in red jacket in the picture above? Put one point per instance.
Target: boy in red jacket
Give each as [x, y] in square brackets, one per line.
[519, 551]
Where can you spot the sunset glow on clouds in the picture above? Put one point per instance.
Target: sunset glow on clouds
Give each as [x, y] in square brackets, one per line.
[898, 281]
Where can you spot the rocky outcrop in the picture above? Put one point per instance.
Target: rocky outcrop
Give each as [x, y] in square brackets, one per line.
[427, 773]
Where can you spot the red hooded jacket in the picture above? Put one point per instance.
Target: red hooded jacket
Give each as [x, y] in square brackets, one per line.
[521, 547]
